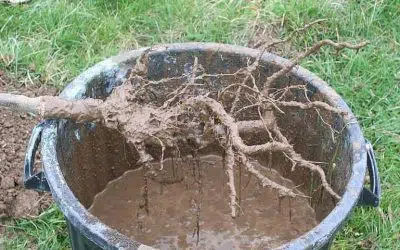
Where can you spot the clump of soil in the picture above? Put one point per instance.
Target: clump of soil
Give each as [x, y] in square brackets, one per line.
[264, 220]
[15, 201]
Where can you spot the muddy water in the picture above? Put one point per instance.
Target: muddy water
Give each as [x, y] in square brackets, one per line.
[264, 222]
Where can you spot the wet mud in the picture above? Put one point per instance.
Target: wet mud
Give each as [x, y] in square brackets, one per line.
[189, 207]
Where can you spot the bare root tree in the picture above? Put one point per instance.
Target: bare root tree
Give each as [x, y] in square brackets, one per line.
[192, 110]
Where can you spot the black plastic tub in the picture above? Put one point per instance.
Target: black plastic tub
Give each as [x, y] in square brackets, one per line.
[77, 157]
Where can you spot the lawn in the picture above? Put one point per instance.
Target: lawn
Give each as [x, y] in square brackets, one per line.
[52, 41]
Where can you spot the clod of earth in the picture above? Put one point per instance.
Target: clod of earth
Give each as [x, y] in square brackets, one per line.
[196, 117]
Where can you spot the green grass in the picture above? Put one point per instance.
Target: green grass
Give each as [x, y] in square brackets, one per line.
[62, 38]
[47, 231]
[51, 41]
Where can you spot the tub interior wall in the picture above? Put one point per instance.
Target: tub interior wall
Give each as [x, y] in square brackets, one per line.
[90, 155]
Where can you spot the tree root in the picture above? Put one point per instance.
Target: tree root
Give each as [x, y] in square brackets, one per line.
[230, 164]
[242, 148]
[265, 182]
[288, 38]
[315, 48]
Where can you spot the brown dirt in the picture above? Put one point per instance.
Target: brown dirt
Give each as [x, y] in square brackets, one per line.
[265, 220]
[15, 131]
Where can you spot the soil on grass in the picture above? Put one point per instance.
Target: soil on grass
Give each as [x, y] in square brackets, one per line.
[177, 203]
[15, 130]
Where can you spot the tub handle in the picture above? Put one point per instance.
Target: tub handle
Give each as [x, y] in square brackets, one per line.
[36, 181]
[371, 197]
